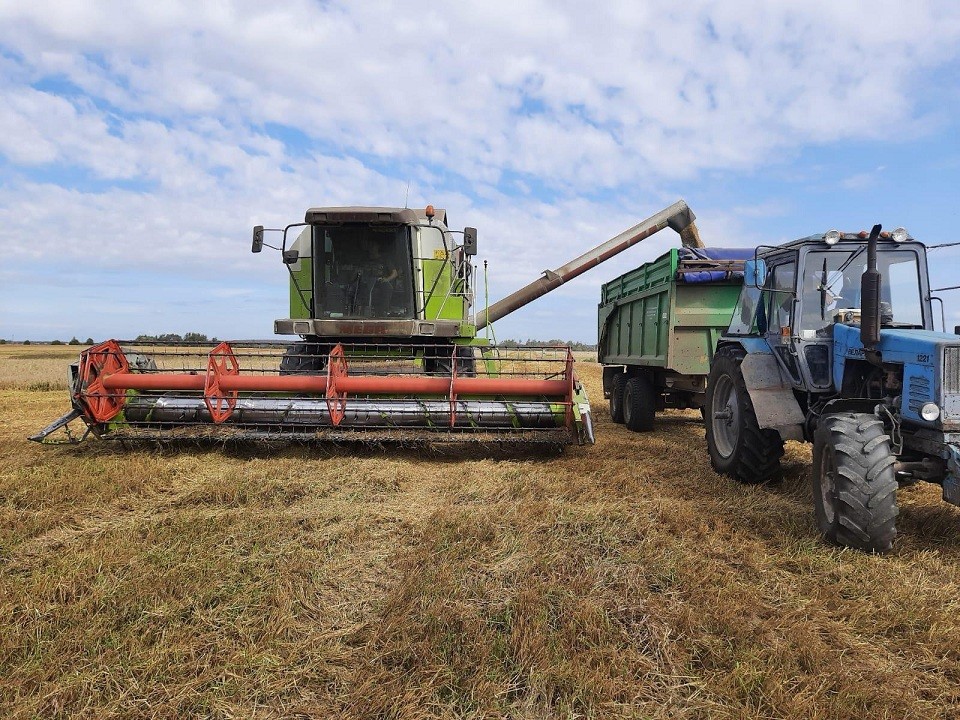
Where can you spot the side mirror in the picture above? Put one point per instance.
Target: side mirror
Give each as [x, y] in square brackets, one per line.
[290, 257]
[755, 272]
[257, 239]
[469, 241]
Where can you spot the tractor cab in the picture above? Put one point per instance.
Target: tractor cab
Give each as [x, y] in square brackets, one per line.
[795, 295]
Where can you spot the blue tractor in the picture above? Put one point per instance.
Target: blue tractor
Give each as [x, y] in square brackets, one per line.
[832, 342]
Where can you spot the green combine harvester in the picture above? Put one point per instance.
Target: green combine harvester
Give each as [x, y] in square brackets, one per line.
[382, 301]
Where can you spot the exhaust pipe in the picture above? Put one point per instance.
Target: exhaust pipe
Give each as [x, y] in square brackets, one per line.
[870, 301]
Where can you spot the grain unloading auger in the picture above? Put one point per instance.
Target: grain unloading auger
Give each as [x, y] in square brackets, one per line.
[381, 299]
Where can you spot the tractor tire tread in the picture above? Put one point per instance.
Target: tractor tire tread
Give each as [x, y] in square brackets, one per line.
[757, 459]
[864, 492]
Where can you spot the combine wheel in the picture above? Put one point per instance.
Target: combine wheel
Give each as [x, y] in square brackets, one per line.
[304, 359]
[442, 364]
[738, 446]
[854, 483]
[616, 397]
[639, 403]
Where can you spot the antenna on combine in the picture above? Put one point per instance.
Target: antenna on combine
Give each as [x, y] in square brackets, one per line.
[406, 198]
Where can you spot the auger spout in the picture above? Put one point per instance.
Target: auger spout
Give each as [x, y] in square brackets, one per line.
[678, 216]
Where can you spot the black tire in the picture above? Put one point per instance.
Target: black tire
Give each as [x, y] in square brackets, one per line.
[616, 397]
[738, 447]
[854, 482]
[304, 359]
[440, 362]
[639, 404]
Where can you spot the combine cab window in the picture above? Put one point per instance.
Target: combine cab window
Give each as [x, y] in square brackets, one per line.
[831, 286]
[363, 272]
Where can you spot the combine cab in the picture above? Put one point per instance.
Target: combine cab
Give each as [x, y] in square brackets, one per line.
[382, 301]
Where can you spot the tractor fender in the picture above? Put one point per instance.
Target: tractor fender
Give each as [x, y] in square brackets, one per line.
[772, 396]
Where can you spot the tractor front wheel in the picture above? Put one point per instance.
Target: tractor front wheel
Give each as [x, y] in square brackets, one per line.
[738, 446]
[854, 483]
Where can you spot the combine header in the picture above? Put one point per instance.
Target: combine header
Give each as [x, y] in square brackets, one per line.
[381, 299]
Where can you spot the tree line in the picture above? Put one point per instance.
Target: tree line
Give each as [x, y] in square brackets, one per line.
[572, 344]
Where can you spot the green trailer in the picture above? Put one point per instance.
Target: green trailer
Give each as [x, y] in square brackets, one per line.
[658, 327]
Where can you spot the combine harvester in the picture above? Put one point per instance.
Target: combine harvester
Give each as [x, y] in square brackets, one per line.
[382, 301]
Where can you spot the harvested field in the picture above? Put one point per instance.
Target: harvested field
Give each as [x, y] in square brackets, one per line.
[623, 580]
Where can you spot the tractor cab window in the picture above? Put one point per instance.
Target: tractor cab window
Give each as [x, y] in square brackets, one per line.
[363, 271]
[780, 293]
[831, 288]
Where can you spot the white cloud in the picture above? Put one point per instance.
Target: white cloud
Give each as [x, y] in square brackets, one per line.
[605, 108]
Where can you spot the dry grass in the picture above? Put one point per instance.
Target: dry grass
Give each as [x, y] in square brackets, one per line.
[36, 367]
[623, 580]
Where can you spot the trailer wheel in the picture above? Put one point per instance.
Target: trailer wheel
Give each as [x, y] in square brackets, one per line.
[616, 397]
[738, 446]
[639, 404]
[303, 359]
[854, 483]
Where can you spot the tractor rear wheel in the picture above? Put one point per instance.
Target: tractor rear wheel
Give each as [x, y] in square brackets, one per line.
[854, 483]
[616, 397]
[738, 446]
[639, 404]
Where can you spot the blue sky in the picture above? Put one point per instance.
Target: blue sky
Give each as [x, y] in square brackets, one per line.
[140, 141]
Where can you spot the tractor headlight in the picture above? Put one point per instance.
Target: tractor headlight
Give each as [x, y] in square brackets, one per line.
[832, 237]
[900, 235]
[930, 412]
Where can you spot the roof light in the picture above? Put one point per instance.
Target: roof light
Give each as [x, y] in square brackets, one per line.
[832, 237]
[429, 212]
[900, 235]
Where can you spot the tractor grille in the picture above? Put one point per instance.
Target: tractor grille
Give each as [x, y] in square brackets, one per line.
[951, 370]
[918, 392]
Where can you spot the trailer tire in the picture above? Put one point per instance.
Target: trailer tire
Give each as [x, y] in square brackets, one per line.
[639, 404]
[854, 483]
[738, 447]
[303, 359]
[616, 398]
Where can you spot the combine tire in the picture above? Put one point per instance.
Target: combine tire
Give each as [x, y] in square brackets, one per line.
[303, 359]
[854, 483]
[616, 397]
[639, 404]
[443, 364]
[738, 447]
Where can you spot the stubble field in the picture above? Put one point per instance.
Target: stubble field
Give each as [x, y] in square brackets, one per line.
[623, 580]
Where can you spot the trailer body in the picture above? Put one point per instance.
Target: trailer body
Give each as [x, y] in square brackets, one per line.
[659, 324]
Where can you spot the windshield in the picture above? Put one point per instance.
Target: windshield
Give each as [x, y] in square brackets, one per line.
[831, 284]
[363, 271]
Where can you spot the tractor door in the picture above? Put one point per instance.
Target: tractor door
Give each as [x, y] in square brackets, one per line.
[779, 302]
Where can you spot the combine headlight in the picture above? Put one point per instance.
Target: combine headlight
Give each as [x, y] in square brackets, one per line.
[930, 412]
[900, 235]
[833, 237]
